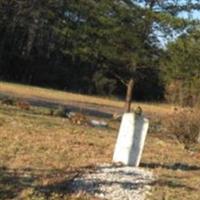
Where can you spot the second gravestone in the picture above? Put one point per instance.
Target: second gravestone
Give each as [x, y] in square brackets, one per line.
[131, 138]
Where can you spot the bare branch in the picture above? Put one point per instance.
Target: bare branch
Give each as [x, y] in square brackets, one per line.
[119, 78]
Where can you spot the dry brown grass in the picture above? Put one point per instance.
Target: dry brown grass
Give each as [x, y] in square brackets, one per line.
[184, 125]
[40, 154]
[59, 96]
[48, 148]
[177, 170]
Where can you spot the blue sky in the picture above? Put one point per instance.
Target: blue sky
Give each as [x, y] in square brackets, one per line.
[193, 15]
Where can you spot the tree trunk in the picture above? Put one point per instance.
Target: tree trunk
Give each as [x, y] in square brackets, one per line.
[129, 93]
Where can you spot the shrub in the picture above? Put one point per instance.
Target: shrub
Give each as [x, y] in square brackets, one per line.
[184, 124]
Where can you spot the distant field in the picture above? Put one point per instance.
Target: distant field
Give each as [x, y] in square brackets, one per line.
[40, 154]
[54, 95]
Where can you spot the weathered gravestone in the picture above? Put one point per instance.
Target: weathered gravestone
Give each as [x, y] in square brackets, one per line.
[131, 138]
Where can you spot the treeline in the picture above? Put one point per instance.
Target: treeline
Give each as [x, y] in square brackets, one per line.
[96, 47]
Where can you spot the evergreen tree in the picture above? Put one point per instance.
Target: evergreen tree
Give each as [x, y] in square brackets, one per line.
[181, 66]
[92, 44]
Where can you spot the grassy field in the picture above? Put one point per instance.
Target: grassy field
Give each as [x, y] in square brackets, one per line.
[40, 154]
[62, 97]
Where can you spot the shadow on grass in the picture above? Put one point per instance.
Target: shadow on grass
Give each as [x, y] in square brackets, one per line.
[174, 166]
[42, 182]
[66, 183]
[12, 183]
[45, 183]
[175, 184]
[172, 181]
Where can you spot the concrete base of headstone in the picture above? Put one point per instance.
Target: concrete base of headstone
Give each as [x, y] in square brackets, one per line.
[131, 138]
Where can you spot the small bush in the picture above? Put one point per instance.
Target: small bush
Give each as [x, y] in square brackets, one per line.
[184, 124]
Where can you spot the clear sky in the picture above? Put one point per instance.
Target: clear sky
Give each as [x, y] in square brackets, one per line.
[193, 15]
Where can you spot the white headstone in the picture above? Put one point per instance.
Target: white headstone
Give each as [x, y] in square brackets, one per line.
[131, 138]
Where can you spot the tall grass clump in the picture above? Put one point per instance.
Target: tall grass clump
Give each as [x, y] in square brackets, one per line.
[184, 124]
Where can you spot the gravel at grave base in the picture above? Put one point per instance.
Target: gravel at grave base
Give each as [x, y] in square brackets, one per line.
[114, 183]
